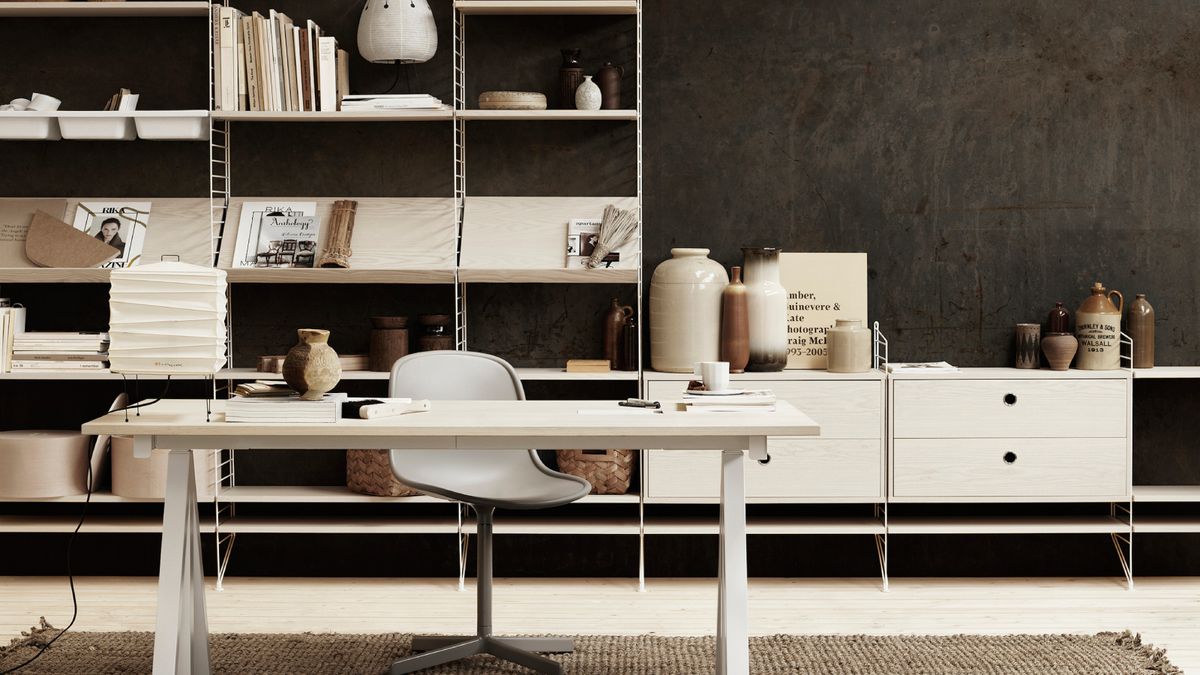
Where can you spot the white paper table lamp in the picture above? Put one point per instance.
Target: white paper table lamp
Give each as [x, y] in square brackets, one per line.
[167, 319]
[397, 31]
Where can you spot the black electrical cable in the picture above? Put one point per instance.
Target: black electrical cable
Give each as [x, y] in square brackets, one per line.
[70, 579]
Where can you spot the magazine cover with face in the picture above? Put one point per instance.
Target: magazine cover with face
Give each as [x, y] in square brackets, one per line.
[121, 225]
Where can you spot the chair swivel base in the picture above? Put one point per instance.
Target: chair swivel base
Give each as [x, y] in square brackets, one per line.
[515, 650]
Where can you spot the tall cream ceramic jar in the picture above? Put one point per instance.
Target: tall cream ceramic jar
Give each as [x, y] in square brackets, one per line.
[685, 310]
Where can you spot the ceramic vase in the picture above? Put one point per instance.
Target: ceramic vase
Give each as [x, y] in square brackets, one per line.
[614, 328]
[1098, 328]
[1029, 345]
[588, 96]
[1141, 329]
[1059, 320]
[312, 368]
[848, 347]
[609, 81]
[685, 311]
[629, 345]
[570, 76]
[735, 323]
[766, 309]
[1059, 349]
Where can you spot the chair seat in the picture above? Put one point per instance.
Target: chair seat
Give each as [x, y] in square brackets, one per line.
[507, 490]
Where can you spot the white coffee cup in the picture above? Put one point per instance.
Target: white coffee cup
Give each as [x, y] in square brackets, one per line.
[19, 103]
[715, 375]
[43, 102]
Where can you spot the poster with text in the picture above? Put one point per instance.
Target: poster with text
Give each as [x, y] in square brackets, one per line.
[121, 225]
[822, 288]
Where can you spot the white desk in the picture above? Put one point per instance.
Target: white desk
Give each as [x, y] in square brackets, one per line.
[181, 636]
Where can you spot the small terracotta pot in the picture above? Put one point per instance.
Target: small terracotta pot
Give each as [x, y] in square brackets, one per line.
[312, 367]
[1060, 350]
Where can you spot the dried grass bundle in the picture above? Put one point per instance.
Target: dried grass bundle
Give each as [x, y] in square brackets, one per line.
[615, 230]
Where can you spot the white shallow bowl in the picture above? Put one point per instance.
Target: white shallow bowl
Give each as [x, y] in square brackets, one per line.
[96, 125]
[29, 125]
[171, 125]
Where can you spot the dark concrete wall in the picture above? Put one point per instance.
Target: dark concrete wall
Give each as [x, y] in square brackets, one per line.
[990, 157]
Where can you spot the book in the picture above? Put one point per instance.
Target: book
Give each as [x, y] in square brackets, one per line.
[327, 73]
[582, 235]
[261, 388]
[342, 61]
[215, 11]
[931, 367]
[287, 74]
[22, 364]
[306, 82]
[274, 63]
[277, 234]
[289, 409]
[62, 356]
[588, 366]
[314, 94]
[264, 62]
[748, 398]
[243, 102]
[6, 334]
[225, 59]
[391, 102]
[297, 84]
[119, 224]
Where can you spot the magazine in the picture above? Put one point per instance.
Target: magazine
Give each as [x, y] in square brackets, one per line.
[582, 235]
[121, 225]
[277, 234]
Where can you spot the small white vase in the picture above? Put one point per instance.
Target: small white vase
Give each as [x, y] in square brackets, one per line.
[588, 96]
[767, 308]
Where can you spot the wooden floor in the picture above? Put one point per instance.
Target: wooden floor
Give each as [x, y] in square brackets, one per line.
[1164, 610]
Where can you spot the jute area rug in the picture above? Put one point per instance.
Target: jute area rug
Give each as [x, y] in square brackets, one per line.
[295, 654]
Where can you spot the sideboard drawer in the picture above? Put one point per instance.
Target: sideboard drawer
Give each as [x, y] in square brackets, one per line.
[990, 468]
[851, 409]
[800, 469]
[1009, 408]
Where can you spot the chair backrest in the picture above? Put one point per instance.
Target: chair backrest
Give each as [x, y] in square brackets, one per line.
[457, 376]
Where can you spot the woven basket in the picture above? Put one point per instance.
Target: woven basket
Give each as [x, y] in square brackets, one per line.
[608, 471]
[369, 472]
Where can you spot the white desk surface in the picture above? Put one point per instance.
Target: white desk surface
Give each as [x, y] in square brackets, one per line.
[176, 417]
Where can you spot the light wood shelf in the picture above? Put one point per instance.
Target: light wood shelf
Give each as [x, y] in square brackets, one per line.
[548, 276]
[530, 374]
[47, 275]
[1166, 525]
[311, 494]
[97, 498]
[776, 526]
[1167, 373]
[548, 115]
[338, 276]
[1016, 374]
[546, 6]
[40, 374]
[252, 374]
[334, 525]
[102, 9]
[1166, 493]
[783, 376]
[93, 524]
[1003, 525]
[335, 116]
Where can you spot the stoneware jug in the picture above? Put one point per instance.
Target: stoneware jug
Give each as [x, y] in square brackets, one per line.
[735, 323]
[587, 96]
[609, 81]
[767, 310]
[1059, 320]
[614, 327]
[1141, 329]
[312, 368]
[1098, 327]
[685, 311]
[848, 345]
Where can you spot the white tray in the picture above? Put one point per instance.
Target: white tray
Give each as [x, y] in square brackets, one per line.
[29, 125]
[96, 125]
[171, 125]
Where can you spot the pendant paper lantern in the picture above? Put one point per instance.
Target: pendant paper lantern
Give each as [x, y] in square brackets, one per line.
[397, 31]
[167, 319]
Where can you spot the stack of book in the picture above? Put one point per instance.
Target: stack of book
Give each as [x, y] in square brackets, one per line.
[751, 401]
[392, 102]
[60, 351]
[284, 409]
[269, 63]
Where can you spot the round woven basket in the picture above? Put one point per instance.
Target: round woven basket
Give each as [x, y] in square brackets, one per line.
[609, 471]
[369, 472]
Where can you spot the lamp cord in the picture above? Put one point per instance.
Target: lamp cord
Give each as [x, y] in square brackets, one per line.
[70, 578]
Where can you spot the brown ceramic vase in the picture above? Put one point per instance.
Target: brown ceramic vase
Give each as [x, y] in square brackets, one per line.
[1141, 329]
[735, 323]
[312, 368]
[614, 327]
[1059, 349]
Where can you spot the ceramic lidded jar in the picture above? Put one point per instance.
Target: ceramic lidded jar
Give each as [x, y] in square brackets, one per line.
[767, 310]
[1098, 328]
[848, 347]
[312, 368]
[685, 310]
[1141, 330]
[570, 76]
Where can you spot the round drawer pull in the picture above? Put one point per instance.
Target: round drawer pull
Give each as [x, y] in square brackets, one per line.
[1010, 399]
[766, 461]
[1010, 457]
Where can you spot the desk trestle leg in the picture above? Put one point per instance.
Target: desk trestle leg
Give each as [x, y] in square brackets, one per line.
[733, 647]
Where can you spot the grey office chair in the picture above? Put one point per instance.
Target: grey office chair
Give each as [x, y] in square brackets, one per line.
[484, 479]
